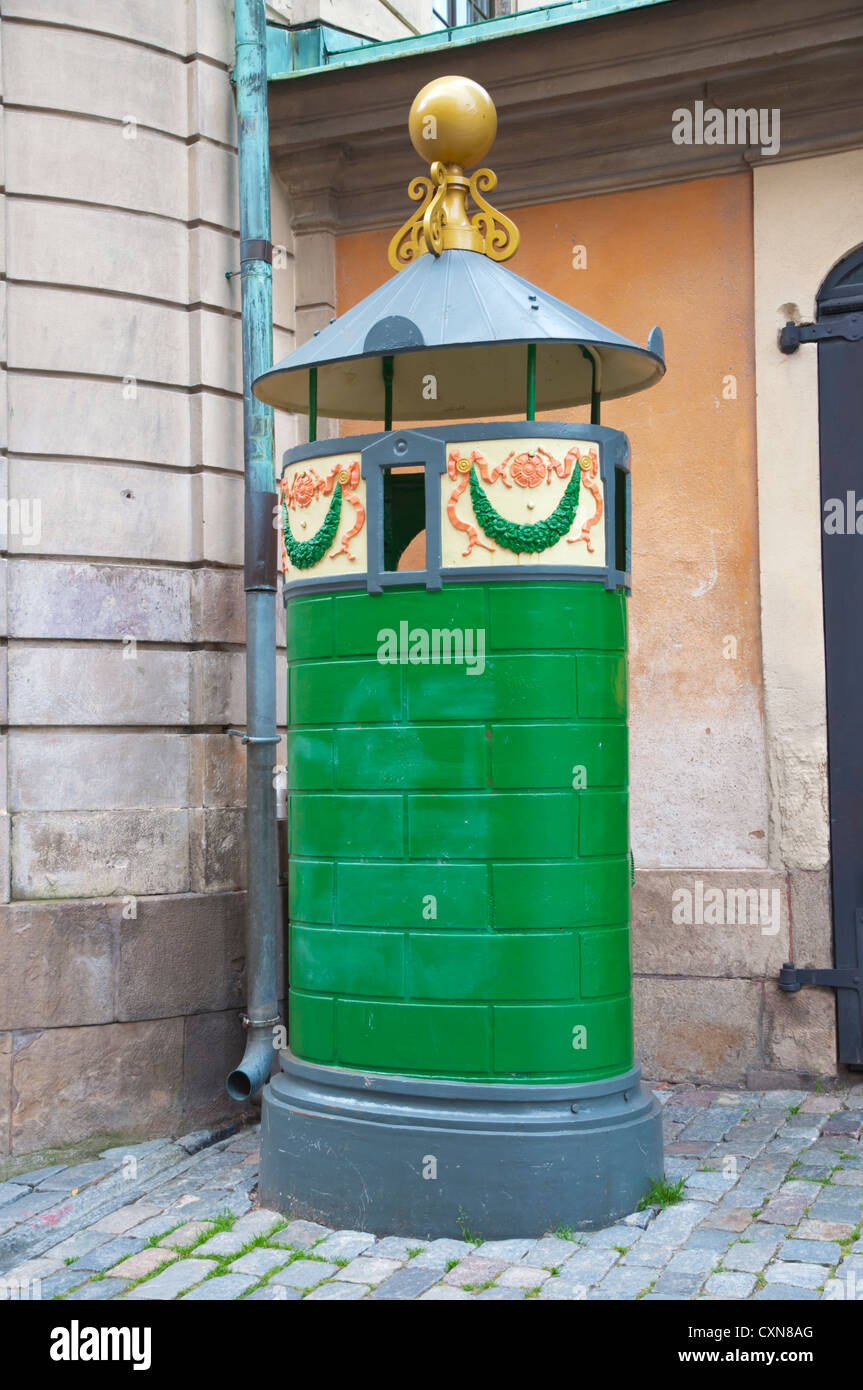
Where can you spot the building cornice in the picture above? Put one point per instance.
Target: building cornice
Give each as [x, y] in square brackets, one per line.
[584, 108]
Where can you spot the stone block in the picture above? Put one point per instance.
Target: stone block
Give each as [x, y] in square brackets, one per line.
[80, 854]
[812, 916]
[211, 254]
[5, 1092]
[218, 771]
[260, 1262]
[367, 1269]
[786, 1209]
[751, 941]
[52, 156]
[212, 186]
[801, 1276]
[473, 1269]
[223, 1243]
[405, 1283]
[216, 350]
[173, 1281]
[69, 70]
[217, 430]
[113, 1078]
[57, 964]
[93, 686]
[345, 1245]
[105, 510]
[274, 1293]
[118, 1222]
[137, 1266]
[163, 26]
[256, 1223]
[99, 419]
[70, 771]
[212, 112]
[218, 606]
[225, 1286]
[187, 1234]
[67, 600]
[822, 1252]
[304, 1274]
[211, 30]
[438, 1253]
[301, 1235]
[218, 688]
[521, 1276]
[60, 330]
[800, 1030]
[315, 254]
[737, 1286]
[217, 850]
[180, 954]
[689, 1028]
[222, 519]
[5, 856]
[98, 249]
[99, 1291]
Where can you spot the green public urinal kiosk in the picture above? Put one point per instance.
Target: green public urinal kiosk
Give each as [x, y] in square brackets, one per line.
[460, 1021]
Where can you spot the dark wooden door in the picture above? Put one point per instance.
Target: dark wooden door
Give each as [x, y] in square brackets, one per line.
[840, 388]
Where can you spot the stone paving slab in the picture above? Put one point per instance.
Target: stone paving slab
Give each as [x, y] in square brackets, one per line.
[274, 1293]
[146, 1262]
[260, 1262]
[300, 1235]
[771, 1209]
[304, 1274]
[174, 1280]
[343, 1292]
[223, 1287]
[368, 1269]
[105, 1256]
[100, 1290]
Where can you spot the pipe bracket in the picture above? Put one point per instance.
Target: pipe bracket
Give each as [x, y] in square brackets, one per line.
[256, 250]
[252, 738]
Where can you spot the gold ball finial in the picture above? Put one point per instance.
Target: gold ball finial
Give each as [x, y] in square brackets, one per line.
[452, 119]
[452, 125]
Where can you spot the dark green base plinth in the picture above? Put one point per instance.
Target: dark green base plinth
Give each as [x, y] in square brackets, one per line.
[404, 1156]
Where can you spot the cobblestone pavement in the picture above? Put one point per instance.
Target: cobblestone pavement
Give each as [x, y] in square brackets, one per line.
[770, 1207]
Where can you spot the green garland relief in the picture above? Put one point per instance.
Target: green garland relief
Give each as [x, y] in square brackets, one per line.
[526, 537]
[304, 554]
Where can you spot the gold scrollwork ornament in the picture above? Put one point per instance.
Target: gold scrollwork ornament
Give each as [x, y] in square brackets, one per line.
[499, 232]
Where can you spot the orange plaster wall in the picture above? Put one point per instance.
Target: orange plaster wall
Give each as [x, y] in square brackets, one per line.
[681, 256]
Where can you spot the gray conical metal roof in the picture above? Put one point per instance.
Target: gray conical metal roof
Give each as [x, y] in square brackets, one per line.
[458, 326]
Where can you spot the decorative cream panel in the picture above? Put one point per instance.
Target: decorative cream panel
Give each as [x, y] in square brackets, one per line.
[325, 502]
[514, 483]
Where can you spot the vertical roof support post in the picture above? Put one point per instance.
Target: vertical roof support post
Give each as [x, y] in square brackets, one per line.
[530, 409]
[388, 371]
[313, 404]
[256, 278]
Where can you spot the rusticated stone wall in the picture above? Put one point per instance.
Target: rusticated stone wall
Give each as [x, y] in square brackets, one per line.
[121, 948]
